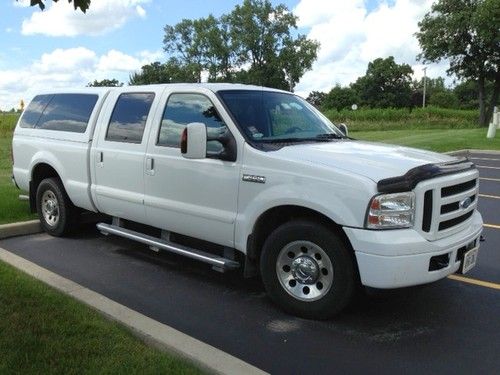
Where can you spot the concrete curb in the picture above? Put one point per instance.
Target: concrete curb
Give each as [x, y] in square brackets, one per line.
[472, 152]
[153, 332]
[20, 229]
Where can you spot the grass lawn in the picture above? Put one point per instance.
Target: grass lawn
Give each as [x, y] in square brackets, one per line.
[11, 209]
[43, 331]
[440, 140]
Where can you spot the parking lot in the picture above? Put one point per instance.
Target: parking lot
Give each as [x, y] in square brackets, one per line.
[451, 326]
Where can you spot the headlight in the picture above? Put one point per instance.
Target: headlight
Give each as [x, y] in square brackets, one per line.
[388, 211]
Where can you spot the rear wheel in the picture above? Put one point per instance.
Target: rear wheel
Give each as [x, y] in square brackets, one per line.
[55, 210]
[308, 269]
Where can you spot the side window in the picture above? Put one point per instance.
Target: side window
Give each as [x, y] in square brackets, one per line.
[182, 109]
[68, 112]
[34, 110]
[129, 117]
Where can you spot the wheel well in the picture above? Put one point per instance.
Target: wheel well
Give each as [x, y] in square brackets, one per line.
[274, 217]
[40, 172]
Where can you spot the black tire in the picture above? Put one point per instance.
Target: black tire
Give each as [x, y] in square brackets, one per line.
[344, 281]
[67, 214]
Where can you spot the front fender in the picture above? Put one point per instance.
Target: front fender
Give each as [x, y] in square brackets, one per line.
[344, 203]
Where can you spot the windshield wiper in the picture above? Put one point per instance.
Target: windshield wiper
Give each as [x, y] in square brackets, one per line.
[329, 136]
[318, 138]
[286, 140]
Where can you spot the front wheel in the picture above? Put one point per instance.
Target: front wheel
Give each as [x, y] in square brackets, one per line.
[308, 269]
[55, 210]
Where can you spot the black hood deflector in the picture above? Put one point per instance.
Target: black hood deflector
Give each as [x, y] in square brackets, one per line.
[415, 175]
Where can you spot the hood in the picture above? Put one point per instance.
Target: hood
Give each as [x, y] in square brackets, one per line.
[376, 161]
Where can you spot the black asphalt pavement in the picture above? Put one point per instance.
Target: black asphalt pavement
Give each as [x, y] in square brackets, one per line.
[445, 327]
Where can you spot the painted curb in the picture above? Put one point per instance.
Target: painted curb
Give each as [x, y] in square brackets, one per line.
[20, 229]
[151, 331]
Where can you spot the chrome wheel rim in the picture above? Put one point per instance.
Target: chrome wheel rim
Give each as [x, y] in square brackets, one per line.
[50, 208]
[304, 270]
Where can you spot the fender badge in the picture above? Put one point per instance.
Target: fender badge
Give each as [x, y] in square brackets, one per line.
[254, 178]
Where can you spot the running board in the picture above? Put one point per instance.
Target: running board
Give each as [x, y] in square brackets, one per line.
[218, 263]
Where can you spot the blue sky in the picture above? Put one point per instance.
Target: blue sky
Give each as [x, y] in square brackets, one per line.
[63, 48]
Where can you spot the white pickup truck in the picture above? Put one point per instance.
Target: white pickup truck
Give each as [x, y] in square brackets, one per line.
[253, 178]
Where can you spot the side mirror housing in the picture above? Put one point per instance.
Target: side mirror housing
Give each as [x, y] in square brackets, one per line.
[194, 141]
[343, 129]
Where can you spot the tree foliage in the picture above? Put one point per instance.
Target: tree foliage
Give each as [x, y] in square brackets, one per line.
[467, 34]
[170, 72]
[444, 99]
[316, 98]
[341, 98]
[253, 44]
[105, 83]
[385, 84]
[83, 5]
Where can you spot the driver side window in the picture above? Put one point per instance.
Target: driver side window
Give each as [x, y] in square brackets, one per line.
[182, 109]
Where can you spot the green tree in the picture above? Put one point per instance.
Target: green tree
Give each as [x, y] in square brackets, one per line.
[83, 5]
[170, 72]
[432, 86]
[385, 84]
[341, 98]
[316, 98]
[252, 44]
[444, 99]
[201, 44]
[105, 83]
[262, 38]
[467, 33]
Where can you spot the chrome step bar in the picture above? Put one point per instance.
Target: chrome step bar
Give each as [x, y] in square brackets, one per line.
[218, 263]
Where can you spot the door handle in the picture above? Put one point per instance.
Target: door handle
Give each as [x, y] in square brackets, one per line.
[99, 158]
[150, 164]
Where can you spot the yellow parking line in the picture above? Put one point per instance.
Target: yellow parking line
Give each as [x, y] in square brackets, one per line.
[468, 280]
[489, 196]
[490, 179]
[484, 159]
[487, 166]
[491, 226]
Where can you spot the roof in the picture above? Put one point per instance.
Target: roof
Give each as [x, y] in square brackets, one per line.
[215, 87]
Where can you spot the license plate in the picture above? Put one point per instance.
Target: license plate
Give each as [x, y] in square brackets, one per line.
[469, 260]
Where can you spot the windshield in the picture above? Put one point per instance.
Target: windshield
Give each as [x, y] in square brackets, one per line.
[267, 116]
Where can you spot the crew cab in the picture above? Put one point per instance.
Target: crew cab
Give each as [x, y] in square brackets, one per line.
[250, 178]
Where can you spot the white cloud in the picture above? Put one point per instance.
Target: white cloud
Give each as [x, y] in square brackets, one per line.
[65, 68]
[141, 12]
[60, 19]
[351, 37]
[21, 3]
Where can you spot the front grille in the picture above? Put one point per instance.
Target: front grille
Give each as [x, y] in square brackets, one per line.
[457, 189]
[427, 220]
[455, 221]
[447, 204]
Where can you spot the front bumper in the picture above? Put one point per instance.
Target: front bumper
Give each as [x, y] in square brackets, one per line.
[400, 258]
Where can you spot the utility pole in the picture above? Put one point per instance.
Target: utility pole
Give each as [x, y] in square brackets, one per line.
[425, 86]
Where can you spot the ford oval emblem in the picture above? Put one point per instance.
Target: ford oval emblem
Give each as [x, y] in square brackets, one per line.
[465, 203]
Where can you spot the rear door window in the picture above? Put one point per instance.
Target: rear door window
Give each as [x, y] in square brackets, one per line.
[129, 117]
[34, 110]
[68, 112]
